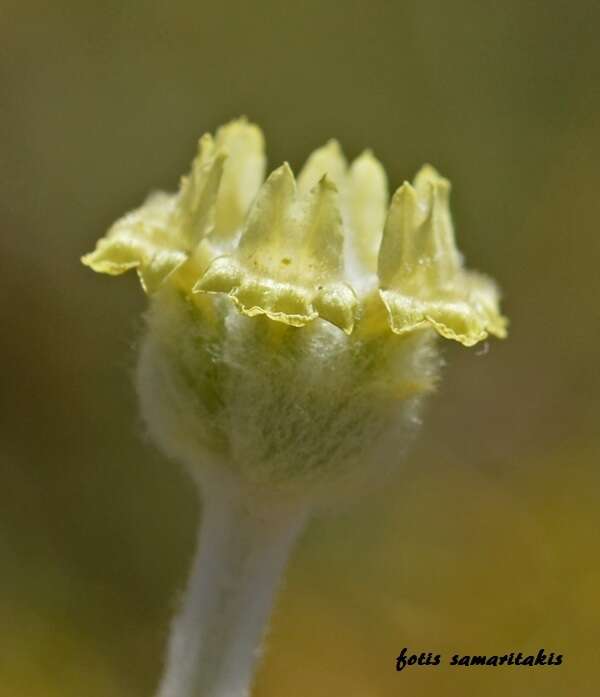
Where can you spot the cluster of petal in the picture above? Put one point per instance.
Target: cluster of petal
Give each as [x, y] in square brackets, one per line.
[325, 245]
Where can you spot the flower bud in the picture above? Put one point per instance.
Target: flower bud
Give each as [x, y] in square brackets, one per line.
[292, 324]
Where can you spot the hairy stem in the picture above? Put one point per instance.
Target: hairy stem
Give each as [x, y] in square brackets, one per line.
[215, 639]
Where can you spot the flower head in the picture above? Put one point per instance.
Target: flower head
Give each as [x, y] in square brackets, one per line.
[292, 322]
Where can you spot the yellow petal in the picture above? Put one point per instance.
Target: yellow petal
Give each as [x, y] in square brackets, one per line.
[288, 264]
[243, 174]
[321, 231]
[423, 282]
[195, 210]
[367, 203]
[269, 221]
[143, 240]
[399, 253]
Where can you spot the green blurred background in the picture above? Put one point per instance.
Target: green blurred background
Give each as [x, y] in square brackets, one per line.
[488, 539]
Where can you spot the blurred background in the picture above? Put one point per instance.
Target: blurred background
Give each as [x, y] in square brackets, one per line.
[487, 540]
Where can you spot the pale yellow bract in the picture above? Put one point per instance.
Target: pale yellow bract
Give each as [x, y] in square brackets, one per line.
[323, 246]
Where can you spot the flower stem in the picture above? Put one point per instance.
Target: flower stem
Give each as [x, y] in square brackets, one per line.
[216, 636]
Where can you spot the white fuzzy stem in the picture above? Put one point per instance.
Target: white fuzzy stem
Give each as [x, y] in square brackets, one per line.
[216, 637]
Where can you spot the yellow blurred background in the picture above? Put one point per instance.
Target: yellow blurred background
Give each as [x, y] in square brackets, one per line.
[487, 541]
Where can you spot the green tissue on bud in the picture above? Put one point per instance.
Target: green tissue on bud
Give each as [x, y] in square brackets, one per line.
[285, 410]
